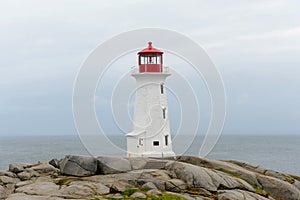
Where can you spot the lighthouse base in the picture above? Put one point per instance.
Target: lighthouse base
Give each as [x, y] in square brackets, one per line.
[139, 145]
[152, 154]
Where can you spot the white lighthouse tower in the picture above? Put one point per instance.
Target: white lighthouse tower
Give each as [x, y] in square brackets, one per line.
[151, 129]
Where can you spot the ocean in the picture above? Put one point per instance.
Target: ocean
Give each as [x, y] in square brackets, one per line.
[279, 153]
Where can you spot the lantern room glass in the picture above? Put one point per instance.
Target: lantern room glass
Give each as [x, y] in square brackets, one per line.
[150, 59]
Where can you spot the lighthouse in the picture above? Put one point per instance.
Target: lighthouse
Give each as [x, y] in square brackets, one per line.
[151, 135]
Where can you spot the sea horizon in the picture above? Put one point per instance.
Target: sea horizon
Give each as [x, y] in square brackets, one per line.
[275, 152]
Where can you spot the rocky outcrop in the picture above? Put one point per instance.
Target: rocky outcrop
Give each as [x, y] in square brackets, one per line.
[54, 162]
[275, 184]
[238, 195]
[8, 173]
[138, 162]
[4, 192]
[22, 196]
[39, 188]
[81, 177]
[149, 186]
[176, 185]
[113, 165]
[200, 177]
[228, 167]
[25, 178]
[78, 165]
[35, 170]
[16, 168]
[279, 189]
[83, 188]
[138, 195]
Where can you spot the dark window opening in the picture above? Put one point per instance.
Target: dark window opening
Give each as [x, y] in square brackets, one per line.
[164, 113]
[166, 140]
[149, 60]
[155, 143]
[161, 88]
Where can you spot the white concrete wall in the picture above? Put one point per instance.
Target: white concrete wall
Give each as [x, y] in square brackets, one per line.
[149, 123]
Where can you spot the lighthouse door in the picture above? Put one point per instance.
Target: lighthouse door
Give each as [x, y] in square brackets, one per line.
[141, 145]
[141, 141]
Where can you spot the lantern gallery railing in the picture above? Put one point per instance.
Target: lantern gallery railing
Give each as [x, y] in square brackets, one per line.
[135, 70]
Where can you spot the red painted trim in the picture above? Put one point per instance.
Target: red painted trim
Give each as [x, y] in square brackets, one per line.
[150, 68]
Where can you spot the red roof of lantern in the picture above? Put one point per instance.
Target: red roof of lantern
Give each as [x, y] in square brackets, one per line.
[150, 49]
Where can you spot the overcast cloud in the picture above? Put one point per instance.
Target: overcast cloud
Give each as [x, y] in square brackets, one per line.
[254, 44]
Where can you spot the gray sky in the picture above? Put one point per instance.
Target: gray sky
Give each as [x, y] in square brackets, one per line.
[254, 44]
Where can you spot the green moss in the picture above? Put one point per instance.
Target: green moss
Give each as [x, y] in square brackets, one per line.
[68, 197]
[165, 196]
[228, 172]
[197, 192]
[289, 179]
[95, 198]
[215, 196]
[295, 177]
[129, 192]
[261, 192]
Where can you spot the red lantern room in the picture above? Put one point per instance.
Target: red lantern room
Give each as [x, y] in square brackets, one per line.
[150, 59]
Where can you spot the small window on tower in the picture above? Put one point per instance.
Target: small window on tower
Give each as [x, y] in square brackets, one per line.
[155, 143]
[164, 113]
[161, 88]
[166, 140]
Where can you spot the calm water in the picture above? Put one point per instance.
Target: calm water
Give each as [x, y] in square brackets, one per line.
[275, 152]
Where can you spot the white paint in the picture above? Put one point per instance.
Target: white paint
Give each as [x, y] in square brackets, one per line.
[150, 125]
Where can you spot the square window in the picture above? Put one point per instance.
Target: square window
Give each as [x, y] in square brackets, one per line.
[155, 143]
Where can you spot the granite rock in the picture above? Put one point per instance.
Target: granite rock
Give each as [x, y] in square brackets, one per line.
[78, 165]
[113, 165]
